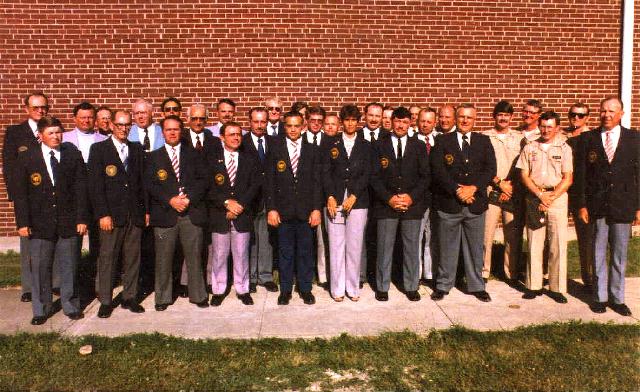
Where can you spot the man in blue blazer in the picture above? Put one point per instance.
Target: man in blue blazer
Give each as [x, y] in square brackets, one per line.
[608, 181]
[463, 164]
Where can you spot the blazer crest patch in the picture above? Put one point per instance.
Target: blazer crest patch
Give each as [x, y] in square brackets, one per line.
[111, 170]
[448, 159]
[219, 178]
[281, 166]
[334, 153]
[162, 174]
[36, 179]
[384, 162]
[593, 156]
[22, 148]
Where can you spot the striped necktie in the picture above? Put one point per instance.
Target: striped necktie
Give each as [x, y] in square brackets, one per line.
[176, 168]
[294, 158]
[608, 146]
[232, 169]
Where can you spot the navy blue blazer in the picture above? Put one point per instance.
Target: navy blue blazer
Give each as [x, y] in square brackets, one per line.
[609, 190]
[49, 211]
[351, 173]
[248, 147]
[114, 191]
[18, 138]
[450, 170]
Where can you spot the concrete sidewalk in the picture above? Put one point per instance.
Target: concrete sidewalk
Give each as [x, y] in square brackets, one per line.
[326, 318]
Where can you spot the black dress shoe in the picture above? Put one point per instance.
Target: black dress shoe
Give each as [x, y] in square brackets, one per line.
[482, 296]
[217, 299]
[26, 297]
[531, 294]
[253, 288]
[245, 298]
[183, 291]
[75, 315]
[324, 285]
[202, 304]
[284, 298]
[621, 309]
[134, 307]
[598, 307]
[413, 296]
[308, 298]
[438, 295]
[161, 307]
[382, 296]
[105, 311]
[558, 297]
[271, 287]
[39, 320]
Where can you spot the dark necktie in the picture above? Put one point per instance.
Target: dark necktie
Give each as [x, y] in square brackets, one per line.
[54, 166]
[275, 130]
[260, 150]
[146, 143]
[373, 136]
[198, 143]
[399, 150]
[315, 139]
[465, 146]
[428, 146]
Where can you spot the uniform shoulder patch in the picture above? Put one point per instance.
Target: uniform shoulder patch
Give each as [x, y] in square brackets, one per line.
[111, 170]
[219, 179]
[448, 159]
[384, 162]
[281, 166]
[162, 174]
[334, 153]
[592, 156]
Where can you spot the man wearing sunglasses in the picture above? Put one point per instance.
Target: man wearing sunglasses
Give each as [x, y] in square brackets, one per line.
[226, 111]
[275, 126]
[19, 139]
[143, 130]
[578, 118]
[171, 106]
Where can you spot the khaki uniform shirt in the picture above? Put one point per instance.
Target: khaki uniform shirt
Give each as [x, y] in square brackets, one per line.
[545, 167]
[507, 148]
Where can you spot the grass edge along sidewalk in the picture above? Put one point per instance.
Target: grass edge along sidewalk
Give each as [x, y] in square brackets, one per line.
[552, 357]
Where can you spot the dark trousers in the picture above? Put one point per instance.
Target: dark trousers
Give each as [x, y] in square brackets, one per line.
[123, 241]
[25, 265]
[295, 239]
[42, 255]
[190, 237]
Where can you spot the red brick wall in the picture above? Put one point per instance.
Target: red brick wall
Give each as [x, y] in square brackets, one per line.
[324, 51]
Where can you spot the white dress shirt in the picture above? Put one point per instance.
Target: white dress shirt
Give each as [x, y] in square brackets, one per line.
[123, 154]
[34, 127]
[349, 142]
[228, 155]
[309, 136]
[459, 135]
[46, 154]
[615, 137]
[271, 131]
[193, 137]
[254, 138]
[366, 132]
[152, 135]
[291, 147]
[170, 152]
[403, 142]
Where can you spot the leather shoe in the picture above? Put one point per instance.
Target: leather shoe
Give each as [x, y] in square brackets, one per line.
[134, 307]
[482, 296]
[382, 296]
[413, 296]
[39, 320]
[598, 307]
[25, 297]
[245, 298]
[531, 294]
[308, 298]
[202, 304]
[621, 309]
[75, 315]
[161, 307]
[271, 287]
[217, 299]
[284, 298]
[558, 297]
[438, 295]
[105, 311]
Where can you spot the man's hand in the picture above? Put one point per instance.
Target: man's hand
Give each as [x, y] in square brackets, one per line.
[465, 193]
[179, 203]
[348, 204]
[583, 213]
[406, 200]
[507, 188]
[147, 220]
[106, 223]
[81, 228]
[24, 231]
[314, 218]
[542, 207]
[231, 216]
[547, 198]
[332, 206]
[273, 218]
[504, 198]
[234, 207]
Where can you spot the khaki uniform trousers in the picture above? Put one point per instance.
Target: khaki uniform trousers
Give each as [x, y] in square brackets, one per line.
[556, 233]
[511, 241]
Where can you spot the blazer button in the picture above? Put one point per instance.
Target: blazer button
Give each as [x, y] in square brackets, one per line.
[233, 193]
[466, 174]
[399, 177]
[347, 169]
[126, 185]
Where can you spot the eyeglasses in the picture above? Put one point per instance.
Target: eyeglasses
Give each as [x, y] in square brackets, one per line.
[198, 118]
[274, 108]
[44, 108]
[122, 125]
[579, 115]
[171, 109]
[315, 120]
[530, 112]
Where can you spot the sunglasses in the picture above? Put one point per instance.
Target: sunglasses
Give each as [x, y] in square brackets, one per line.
[171, 109]
[272, 108]
[198, 118]
[579, 115]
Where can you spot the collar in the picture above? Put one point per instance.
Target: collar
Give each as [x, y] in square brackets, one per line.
[33, 125]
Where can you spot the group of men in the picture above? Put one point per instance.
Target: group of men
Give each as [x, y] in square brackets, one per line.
[172, 202]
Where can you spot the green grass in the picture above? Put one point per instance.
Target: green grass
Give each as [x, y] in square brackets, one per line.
[554, 357]
[9, 269]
